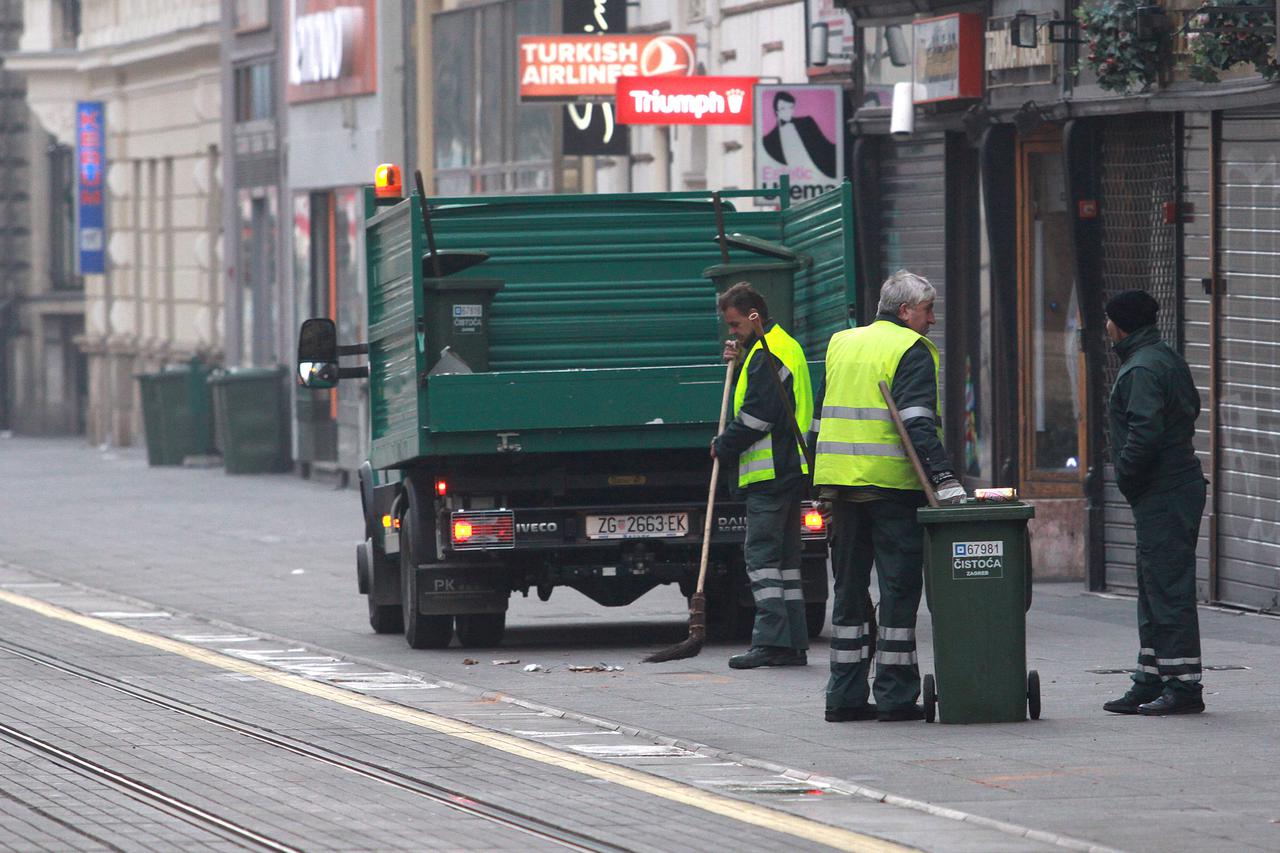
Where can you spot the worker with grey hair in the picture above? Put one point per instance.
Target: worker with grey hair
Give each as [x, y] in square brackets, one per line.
[870, 491]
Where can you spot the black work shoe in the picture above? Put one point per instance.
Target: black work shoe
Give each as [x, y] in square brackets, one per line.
[1129, 702]
[767, 656]
[1172, 702]
[850, 715]
[901, 715]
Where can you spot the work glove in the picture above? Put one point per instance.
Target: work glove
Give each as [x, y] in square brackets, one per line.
[825, 505]
[950, 492]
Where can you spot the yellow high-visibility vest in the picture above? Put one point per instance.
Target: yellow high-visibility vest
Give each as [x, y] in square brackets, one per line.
[755, 465]
[857, 442]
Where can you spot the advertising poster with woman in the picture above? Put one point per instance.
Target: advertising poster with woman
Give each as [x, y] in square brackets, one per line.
[799, 133]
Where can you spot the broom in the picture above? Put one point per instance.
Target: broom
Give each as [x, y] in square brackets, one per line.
[698, 601]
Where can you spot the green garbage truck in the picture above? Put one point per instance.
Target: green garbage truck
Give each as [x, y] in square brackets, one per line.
[544, 380]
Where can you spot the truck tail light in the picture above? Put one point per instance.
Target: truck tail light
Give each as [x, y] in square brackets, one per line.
[476, 530]
[812, 525]
[442, 488]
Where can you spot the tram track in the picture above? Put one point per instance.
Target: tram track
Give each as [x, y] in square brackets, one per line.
[454, 800]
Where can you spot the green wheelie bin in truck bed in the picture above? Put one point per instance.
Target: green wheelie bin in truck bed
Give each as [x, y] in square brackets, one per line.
[977, 578]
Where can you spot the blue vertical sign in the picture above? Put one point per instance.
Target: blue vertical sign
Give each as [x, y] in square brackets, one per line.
[91, 166]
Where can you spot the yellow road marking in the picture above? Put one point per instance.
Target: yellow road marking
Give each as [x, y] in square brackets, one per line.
[766, 818]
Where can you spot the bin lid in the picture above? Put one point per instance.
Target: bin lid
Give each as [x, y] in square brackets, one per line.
[760, 246]
[470, 285]
[734, 269]
[246, 374]
[452, 261]
[975, 511]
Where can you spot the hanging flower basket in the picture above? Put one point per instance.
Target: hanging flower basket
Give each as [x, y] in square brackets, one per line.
[1239, 41]
[1122, 61]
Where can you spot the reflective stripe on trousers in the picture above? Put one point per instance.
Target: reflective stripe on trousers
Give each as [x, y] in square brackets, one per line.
[772, 553]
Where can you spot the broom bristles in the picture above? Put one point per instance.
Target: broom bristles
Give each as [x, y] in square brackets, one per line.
[697, 632]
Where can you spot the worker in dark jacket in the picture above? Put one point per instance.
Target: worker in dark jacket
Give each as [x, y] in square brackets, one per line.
[763, 437]
[1154, 406]
[867, 484]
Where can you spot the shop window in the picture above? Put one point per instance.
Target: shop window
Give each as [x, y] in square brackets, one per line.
[62, 218]
[259, 310]
[1050, 360]
[486, 141]
[254, 99]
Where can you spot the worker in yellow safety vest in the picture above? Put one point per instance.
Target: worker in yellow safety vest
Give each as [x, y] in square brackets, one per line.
[870, 491]
[772, 473]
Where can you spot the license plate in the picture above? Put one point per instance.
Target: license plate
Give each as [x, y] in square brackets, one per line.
[638, 525]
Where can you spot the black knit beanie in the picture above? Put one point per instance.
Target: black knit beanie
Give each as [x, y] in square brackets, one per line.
[1132, 310]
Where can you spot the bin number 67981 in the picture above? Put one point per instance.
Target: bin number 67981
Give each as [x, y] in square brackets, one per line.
[979, 549]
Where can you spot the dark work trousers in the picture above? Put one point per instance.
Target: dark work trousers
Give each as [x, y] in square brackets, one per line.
[887, 533]
[1168, 524]
[772, 553]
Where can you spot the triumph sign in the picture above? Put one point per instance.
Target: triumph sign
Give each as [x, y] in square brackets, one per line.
[573, 67]
[685, 100]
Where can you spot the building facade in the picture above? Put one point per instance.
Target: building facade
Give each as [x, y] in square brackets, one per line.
[43, 373]
[344, 106]
[1065, 180]
[154, 68]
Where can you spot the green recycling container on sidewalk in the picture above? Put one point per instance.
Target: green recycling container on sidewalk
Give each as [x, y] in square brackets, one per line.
[251, 407]
[977, 576]
[177, 413]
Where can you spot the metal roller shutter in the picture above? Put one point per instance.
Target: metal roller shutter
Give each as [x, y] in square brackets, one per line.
[1138, 251]
[1248, 500]
[913, 216]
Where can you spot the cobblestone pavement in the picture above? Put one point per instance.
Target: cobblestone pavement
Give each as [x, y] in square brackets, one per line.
[271, 556]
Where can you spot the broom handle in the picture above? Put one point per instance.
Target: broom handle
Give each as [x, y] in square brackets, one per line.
[907, 445]
[715, 476]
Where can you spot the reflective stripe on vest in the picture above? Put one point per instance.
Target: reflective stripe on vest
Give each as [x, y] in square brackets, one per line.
[857, 442]
[755, 465]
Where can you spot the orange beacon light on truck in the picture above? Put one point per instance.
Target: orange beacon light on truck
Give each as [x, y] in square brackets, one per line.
[386, 181]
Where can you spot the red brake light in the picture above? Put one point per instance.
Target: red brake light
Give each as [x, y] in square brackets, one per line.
[813, 521]
[442, 488]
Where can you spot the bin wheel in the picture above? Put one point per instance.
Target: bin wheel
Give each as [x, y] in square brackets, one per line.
[930, 699]
[420, 631]
[478, 630]
[1033, 695]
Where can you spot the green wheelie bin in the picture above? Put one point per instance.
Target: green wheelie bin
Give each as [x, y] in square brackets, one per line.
[251, 409]
[177, 413]
[977, 578]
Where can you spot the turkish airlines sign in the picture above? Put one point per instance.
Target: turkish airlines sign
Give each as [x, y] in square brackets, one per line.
[685, 100]
[573, 67]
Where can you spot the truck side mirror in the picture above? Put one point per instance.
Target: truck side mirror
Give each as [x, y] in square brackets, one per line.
[318, 354]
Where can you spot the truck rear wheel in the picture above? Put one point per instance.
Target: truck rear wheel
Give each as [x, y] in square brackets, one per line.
[478, 630]
[385, 618]
[420, 631]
